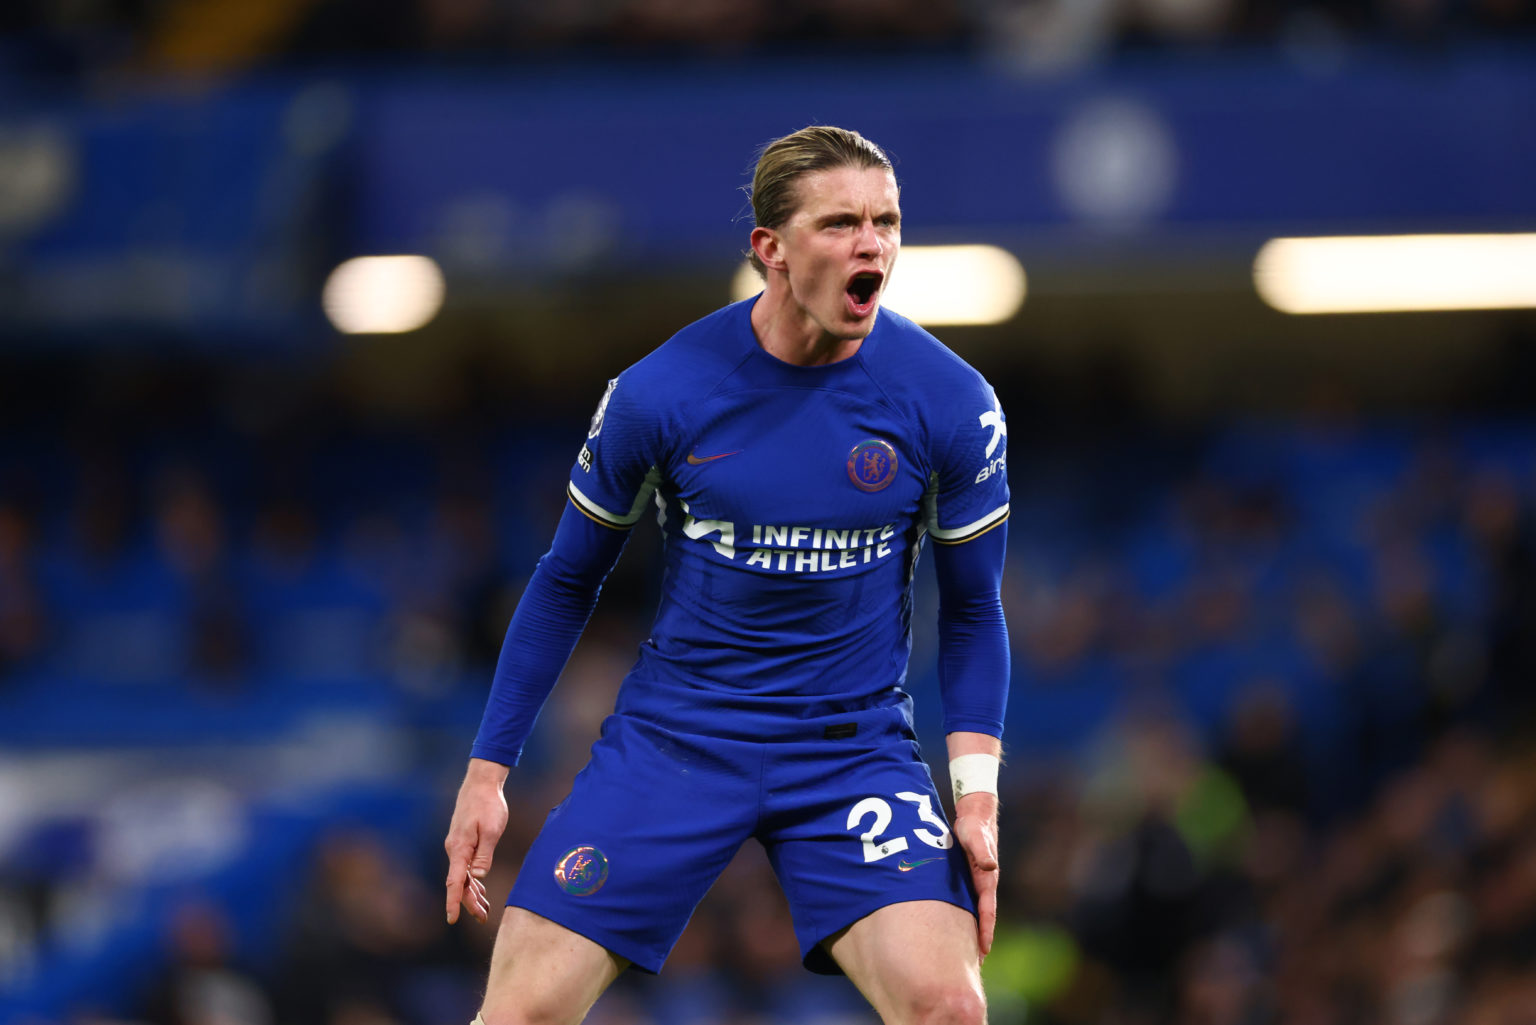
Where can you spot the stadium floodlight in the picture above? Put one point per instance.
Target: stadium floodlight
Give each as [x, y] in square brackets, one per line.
[940, 285]
[1397, 273]
[380, 295]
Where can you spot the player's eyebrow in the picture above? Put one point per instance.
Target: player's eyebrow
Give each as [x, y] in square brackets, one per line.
[834, 216]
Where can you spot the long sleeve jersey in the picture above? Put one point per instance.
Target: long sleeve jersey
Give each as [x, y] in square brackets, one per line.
[794, 502]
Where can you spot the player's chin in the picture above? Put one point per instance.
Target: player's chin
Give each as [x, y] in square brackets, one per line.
[856, 324]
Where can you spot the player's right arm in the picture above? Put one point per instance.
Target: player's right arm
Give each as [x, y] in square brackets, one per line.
[610, 486]
[550, 616]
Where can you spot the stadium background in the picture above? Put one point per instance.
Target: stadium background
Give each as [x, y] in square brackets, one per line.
[1272, 578]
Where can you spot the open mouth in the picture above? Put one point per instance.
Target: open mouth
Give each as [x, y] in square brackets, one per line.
[862, 289]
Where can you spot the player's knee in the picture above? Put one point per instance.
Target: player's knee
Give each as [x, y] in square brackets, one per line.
[957, 1003]
[528, 1013]
[531, 1010]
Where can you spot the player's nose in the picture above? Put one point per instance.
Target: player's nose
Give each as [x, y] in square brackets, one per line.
[868, 240]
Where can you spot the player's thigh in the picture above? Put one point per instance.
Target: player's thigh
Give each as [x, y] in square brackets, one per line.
[916, 962]
[543, 973]
[650, 823]
[856, 825]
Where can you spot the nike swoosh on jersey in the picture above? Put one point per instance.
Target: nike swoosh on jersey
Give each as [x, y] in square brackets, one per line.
[694, 460]
[907, 866]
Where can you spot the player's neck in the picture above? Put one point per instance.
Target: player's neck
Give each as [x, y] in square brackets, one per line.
[787, 332]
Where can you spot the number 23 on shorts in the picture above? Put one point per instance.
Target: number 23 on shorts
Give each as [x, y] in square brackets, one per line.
[876, 848]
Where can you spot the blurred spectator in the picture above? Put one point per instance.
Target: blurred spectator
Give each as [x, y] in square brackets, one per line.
[200, 985]
[192, 537]
[23, 614]
[362, 927]
[1262, 753]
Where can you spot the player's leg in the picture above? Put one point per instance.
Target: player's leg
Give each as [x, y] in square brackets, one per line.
[543, 973]
[917, 963]
[618, 867]
[878, 887]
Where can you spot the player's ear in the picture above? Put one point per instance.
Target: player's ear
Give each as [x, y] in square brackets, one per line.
[765, 243]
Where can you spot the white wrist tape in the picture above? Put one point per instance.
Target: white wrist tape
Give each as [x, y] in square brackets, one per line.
[972, 774]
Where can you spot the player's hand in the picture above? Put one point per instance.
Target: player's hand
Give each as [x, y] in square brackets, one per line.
[479, 819]
[976, 829]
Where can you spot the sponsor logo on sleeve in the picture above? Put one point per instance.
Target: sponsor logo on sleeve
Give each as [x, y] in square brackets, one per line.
[993, 419]
[602, 407]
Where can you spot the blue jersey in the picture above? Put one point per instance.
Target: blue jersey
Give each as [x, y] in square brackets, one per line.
[794, 502]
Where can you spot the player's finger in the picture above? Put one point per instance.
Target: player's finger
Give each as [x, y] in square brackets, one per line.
[985, 880]
[982, 858]
[455, 895]
[458, 873]
[988, 918]
[474, 898]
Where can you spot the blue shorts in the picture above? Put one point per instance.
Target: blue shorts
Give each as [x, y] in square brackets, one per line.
[847, 811]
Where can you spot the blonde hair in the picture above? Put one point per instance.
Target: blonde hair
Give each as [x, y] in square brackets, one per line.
[784, 160]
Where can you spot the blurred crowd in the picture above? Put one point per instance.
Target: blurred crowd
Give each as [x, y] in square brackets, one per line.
[1158, 883]
[1269, 739]
[1268, 728]
[221, 36]
[1168, 882]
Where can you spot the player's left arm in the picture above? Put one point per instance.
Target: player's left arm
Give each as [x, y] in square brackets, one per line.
[967, 512]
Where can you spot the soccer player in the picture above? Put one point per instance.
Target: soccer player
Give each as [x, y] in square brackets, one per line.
[798, 447]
